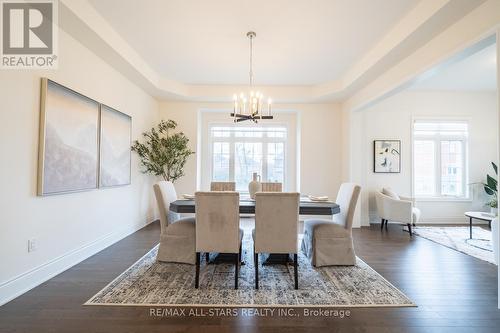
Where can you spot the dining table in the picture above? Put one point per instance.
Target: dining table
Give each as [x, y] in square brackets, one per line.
[247, 206]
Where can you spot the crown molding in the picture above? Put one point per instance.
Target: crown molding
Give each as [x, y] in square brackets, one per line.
[430, 17]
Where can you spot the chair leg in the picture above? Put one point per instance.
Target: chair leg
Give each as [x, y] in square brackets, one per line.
[207, 257]
[236, 269]
[197, 276]
[296, 270]
[409, 229]
[386, 222]
[256, 263]
[382, 224]
[239, 253]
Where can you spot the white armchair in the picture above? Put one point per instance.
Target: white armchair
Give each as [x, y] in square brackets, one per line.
[392, 207]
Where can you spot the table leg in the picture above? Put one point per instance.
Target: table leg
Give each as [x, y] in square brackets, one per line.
[224, 258]
[470, 227]
[277, 258]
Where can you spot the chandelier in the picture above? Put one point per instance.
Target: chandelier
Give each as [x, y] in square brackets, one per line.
[250, 106]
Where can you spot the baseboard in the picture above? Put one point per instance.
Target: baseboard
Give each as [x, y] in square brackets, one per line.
[22, 283]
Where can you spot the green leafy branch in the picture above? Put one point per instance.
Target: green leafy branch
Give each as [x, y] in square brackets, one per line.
[491, 187]
[163, 153]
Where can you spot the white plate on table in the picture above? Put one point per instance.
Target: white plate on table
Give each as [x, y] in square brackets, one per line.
[318, 199]
[188, 196]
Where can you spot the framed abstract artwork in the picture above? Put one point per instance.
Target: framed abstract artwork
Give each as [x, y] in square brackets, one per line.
[115, 152]
[69, 141]
[387, 156]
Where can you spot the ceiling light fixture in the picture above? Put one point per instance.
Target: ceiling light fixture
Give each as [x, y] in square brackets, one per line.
[249, 107]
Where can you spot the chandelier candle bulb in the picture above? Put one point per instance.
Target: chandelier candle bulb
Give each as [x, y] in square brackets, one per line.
[235, 105]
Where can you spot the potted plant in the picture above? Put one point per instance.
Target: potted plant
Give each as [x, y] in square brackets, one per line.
[163, 152]
[491, 188]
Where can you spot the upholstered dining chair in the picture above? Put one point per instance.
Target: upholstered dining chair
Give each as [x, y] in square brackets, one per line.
[395, 208]
[217, 227]
[329, 242]
[276, 224]
[177, 238]
[272, 187]
[223, 186]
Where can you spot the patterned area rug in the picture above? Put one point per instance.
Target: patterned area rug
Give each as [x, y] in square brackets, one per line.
[457, 238]
[152, 283]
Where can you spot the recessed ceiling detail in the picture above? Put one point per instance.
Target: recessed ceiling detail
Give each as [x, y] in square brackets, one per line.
[310, 51]
[300, 42]
[476, 72]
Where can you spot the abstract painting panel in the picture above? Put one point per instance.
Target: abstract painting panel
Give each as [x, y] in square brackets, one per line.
[68, 155]
[115, 148]
[386, 156]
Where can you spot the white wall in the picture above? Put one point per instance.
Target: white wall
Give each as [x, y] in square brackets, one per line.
[320, 137]
[67, 227]
[392, 119]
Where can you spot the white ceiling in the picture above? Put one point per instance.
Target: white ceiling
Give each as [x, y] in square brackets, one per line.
[299, 42]
[474, 73]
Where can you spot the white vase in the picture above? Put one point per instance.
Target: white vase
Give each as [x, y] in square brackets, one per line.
[254, 186]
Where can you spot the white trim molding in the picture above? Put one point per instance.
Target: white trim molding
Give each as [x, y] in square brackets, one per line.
[498, 125]
[24, 282]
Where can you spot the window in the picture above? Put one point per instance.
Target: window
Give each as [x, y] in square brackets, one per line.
[239, 151]
[440, 159]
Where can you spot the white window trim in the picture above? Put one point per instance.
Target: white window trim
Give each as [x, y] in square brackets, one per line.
[465, 146]
[263, 140]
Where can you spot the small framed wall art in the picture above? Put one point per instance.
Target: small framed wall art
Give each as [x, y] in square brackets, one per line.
[387, 156]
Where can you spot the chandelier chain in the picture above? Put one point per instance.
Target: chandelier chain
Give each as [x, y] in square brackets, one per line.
[251, 61]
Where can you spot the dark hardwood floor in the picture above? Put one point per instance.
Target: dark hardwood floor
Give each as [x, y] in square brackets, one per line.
[454, 293]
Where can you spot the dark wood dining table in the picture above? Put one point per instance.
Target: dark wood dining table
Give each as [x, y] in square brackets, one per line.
[247, 206]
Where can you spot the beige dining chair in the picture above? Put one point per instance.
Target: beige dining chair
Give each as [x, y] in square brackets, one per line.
[329, 242]
[276, 224]
[272, 187]
[177, 237]
[223, 186]
[217, 227]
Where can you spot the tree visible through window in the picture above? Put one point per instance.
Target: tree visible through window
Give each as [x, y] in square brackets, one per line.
[239, 151]
[439, 159]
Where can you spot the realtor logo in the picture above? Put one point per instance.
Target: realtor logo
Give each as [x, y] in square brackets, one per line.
[29, 30]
